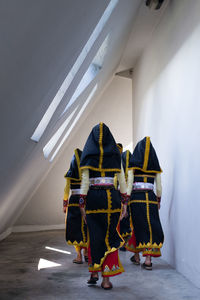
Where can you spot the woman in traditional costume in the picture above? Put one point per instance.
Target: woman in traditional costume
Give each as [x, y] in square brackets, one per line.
[144, 169]
[76, 229]
[100, 203]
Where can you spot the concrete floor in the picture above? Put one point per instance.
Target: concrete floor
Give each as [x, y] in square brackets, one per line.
[20, 278]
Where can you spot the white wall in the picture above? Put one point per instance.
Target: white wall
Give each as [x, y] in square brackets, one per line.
[114, 109]
[166, 106]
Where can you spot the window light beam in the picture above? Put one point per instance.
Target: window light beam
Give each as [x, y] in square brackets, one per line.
[74, 122]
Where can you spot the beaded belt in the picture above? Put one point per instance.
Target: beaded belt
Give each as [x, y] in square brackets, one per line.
[143, 186]
[75, 192]
[101, 181]
[102, 187]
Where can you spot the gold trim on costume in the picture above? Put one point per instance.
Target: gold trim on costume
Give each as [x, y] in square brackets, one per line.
[82, 230]
[149, 245]
[100, 170]
[127, 163]
[104, 211]
[145, 175]
[146, 155]
[148, 217]
[143, 201]
[75, 243]
[78, 162]
[108, 219]
[100, 144]
[146, 171]
[73, 204]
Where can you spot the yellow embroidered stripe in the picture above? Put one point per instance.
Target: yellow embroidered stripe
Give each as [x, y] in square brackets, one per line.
[103, 211]
[148, 217]
[75, 179]
[73, 205]
[145, 175]
[78, 163]
[108, 219]
[146, 155]
[145, 179]
[143, 170]
[82, 230]
[143, 201]
[100, 170]
[100, 144]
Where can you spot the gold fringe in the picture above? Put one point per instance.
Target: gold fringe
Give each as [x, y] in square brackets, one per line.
[149, 245]
[75, 243]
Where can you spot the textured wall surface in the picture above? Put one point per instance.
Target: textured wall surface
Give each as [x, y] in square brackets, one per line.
[166, 106]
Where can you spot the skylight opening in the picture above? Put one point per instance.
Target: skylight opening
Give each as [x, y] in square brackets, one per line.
[52, 142]
[66, 83]
[91, 72]
[74, 122]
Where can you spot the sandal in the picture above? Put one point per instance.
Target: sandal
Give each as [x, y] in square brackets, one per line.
[76, 261]
[136, 262]
[107, 287]
[93, 280]
[147, 267]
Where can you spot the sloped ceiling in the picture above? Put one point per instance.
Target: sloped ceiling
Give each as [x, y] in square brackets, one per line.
[40, 41]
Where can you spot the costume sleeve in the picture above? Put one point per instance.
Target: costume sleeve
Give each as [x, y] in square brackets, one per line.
[85, 182]
[122, 181]
[158, 185]
[130, 182]
[67, 189]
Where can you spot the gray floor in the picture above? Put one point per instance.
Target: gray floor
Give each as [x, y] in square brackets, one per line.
[20, 278]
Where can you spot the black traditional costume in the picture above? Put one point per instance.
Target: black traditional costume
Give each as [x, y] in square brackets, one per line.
[143, 202]
[100, 161]
[76, 229]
